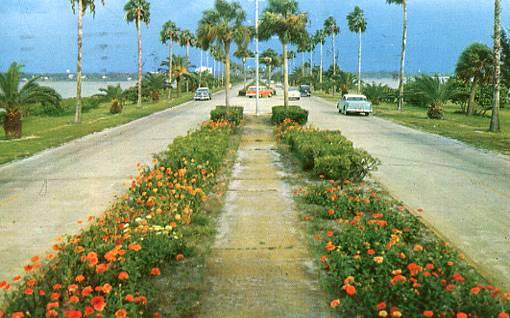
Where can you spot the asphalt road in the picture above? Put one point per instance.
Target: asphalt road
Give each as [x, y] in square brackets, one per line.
[44, 196]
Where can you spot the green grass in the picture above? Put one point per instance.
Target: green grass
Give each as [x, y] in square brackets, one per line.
[42, 132]
[471, 130]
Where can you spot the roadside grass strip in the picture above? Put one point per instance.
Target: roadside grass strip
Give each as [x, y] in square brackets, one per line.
[379, 260]
[108, 269]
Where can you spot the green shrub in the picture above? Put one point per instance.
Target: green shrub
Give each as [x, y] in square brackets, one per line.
[234, 115]
[353, 165]
[296, 113]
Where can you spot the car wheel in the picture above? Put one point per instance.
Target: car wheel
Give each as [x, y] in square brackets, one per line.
[367, 114]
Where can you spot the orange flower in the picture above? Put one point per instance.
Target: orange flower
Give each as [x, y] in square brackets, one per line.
[35, 259]
[80, 278]
[16, 278]
[123, 275]
[379, 259]
[334, 303]
[381, 306]
[121, 313]
[72, 314]
[461, 315]
[55, 296]
[349, 289]
[458, 277]
[87, 291]
[74, 299]
[31, 282]
[71, 288]
[28, 268]
[129, 298]
[418, 248]
[28, 291]
[135, 247]
[179, 257]
[330, 246]
[92, 259]
[17, 314]
[107, 288]
[503, 315]
[88, 311]
[428, 313]
[52, 305]
[475, 290]
[98, 303]
[383, 313]
[101, 268]
[155, 271]
[506, 296]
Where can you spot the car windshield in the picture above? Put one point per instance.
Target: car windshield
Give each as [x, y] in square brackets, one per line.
[202, 90]
[252, 88]
[357, 98]
[292, 89]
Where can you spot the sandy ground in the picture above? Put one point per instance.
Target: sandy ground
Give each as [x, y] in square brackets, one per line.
[259, 265]
[44, 196]
[464, 191]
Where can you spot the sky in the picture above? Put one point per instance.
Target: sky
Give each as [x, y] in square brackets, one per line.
[41, 34]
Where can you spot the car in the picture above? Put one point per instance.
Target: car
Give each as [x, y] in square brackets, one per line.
[202, 93]
[263, 92]
[354, 103]
[305, 90]
[294, 93]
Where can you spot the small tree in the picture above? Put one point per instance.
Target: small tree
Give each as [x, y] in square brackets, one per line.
[169, 33]
[435, 93]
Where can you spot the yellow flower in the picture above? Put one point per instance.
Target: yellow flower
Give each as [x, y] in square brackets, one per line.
[383, 313]
[378, 259]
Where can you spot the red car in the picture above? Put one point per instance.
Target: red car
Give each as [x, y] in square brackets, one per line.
[263, 92]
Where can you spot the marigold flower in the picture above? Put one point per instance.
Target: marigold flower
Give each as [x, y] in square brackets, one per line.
[428, 313]
[92, 259]
[418, 248]
[121, 313]
[379, 259]
[87, 291]
[506, 296]
[383, 313]
[35, 259]
[475, 290]
[52, 305]
[461, 315]
[179, 257]
[17, 314]
[88, 311]
[349, 289]
[28, 268]
[503, 315]
[106, 288]
[334, 303]
[101, 268]
[42, 292]
[74, 299]
[135, 247]
[98, 303]
[381, 306]
[396, 314]
[129, 298]
[155, 271]
[72, 314]
[80, 278]
[28, 291]
[55, 296]
[123, 276]
[458, 277]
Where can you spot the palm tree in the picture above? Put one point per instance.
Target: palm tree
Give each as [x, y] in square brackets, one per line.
[220, 25]
[357, 23]
[282, 17]
[312, 44]
[495, 124]
[138, 11]
[320, 38]
[82, 7]
[475, 66]
[271, 60]
[243, 39]
[303, 46]
[332, 29]
[180, 71]
[169, 33]
[12, 98]
[111, 92]
[154, 83]
[187, 39]
[434, 92]
[403, 3]
[243, 53]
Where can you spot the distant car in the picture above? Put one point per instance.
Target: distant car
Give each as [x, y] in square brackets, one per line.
[351, 103]
[263, 92]
[305, 90]
[202, 93]
[279, 85]
[294, 93]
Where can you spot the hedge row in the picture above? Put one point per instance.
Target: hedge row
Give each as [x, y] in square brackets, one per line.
[234, 114]
[327, 153]
[295, 113]
[380, 261]
[105, 270]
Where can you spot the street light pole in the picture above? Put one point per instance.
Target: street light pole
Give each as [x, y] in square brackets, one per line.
[257, 55]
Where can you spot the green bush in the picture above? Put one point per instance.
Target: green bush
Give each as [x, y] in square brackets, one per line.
[234, 115]
[296, 113]
[353, 165]
[116, 107]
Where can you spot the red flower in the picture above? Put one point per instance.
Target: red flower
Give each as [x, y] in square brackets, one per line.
[17, 314]
[121, 313]
[349, 289]
[428, 313]
[123, 275]
[72, 314]
[101, 268]
[381, 306]
[28, 291]
[503, 315]
[475, 290]
[461, 315]
[179, 257]
[458, 277]
[155, 271]
[88, 311]
[334, 303]
[98, 303]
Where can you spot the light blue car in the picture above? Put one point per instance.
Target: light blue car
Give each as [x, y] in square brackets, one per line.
[351, 103]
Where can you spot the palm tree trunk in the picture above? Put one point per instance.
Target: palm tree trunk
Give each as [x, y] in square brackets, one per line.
[244, 73]
[311, 62]
[333, 55]
[402, 57]
[495, 124]
[303, 60]
[139, 102]
[187, 64]
[359, 63]
[170, 62]
[285, 76]
[77, 115]
[227, 75]
[269, 72]
[320, 69]
[201, 67]
[472, 95]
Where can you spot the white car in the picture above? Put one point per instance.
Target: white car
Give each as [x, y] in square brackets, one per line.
[202, 93]
[351, 103]
[294, 93]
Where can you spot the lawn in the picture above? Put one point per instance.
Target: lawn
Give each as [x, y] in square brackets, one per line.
[42, 132]
[471, 130]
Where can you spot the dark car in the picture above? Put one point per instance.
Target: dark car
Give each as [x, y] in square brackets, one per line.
[305, 90]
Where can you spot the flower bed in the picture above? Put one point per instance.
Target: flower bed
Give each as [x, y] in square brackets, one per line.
[378, 260]
[105, 270]
[234, 114]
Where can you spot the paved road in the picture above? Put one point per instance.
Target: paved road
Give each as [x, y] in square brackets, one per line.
[44, 196]
[464, 191]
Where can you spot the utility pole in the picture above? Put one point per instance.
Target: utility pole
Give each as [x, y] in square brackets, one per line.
[257, 55]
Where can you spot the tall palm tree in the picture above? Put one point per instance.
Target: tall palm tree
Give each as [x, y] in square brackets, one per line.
[169, 33]
[320, 38]
[83, 5]
[282, 17]
[312, 45]
[243, 39]
[220, 25]
[138, 11]
[243, 53]
[403, 3]
[303, 46]
[332, 29]
[357, 23]
[495, 125]
[13, 97]
[475, 66]
[187, 39]
[271, 60]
